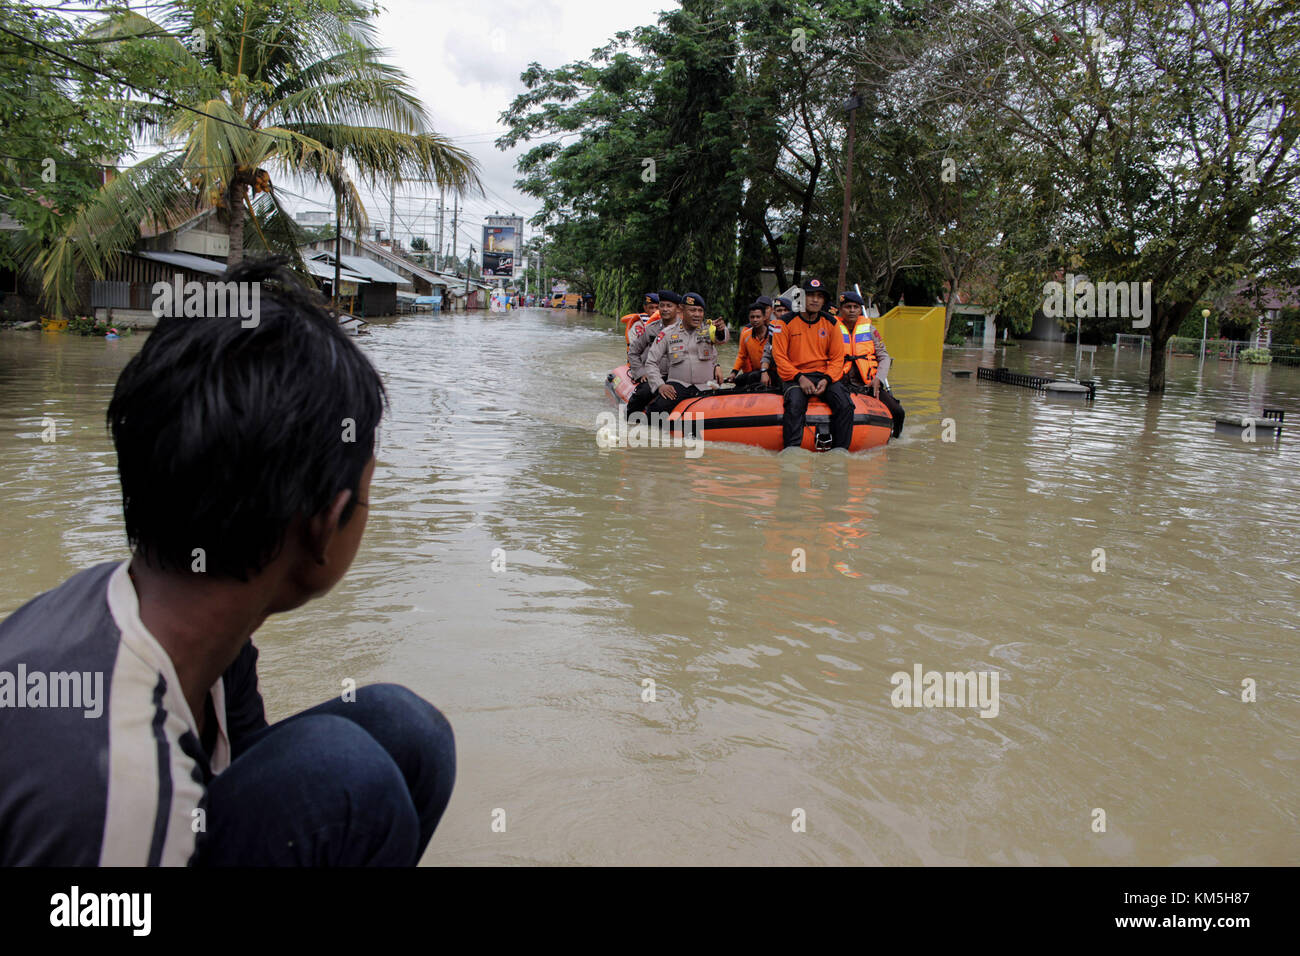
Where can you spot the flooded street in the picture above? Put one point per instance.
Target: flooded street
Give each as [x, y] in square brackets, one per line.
[528, 582]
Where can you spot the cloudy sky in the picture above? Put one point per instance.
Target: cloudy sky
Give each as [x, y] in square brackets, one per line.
[464, 59]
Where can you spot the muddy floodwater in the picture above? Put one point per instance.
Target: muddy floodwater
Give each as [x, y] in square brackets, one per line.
[1120, 566]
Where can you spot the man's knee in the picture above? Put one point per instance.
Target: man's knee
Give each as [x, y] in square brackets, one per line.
[412, 730]
[837, 396]
[407, 708]
[319, 790]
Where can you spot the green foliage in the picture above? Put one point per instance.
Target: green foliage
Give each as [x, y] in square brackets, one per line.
[1191, 326]
[728, 112]
[85, 325]
[1256, 356]
[58, 125]
[234, 91]
[1286, 329]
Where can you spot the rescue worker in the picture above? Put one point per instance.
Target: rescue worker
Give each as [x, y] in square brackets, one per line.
[664, 318]
[688, 353]
[781, 308]
[754, 340]
[866, 361]
[808, 354]
[648, 310]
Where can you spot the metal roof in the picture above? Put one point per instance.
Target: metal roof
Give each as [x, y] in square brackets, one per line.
[184, 260]
[373, 270]
[325, 270]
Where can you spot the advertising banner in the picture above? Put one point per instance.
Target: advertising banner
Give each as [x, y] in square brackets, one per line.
[502, 236]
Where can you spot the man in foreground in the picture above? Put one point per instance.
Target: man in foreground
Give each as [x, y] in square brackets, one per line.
[808, 353]
[245, 457]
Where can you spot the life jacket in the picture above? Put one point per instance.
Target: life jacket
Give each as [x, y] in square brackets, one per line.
[630, 320]
[860, 349]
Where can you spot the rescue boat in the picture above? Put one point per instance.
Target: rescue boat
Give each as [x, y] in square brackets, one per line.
[754, 418]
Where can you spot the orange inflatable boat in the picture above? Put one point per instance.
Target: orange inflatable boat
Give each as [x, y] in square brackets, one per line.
[754, 418]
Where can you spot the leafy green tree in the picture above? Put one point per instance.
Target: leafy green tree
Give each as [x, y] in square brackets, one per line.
[298, 87]
[1167, 133]
[61, 127]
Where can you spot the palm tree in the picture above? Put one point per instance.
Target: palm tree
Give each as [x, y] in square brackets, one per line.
[294, 87]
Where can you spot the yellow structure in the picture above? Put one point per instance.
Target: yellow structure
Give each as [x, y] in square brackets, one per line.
[913, 333]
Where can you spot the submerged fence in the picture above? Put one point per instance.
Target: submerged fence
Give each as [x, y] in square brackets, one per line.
[1228, 349]
[1005, 376]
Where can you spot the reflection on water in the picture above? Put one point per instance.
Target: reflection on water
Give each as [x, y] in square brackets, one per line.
[770, 597]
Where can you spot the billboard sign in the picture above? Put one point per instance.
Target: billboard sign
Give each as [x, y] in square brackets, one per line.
[502, 237]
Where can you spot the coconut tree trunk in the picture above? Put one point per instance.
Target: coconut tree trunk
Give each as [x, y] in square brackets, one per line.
[235, 207]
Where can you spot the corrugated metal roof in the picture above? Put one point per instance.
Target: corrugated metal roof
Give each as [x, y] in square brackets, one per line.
[325, 270]
[373, 270]
[185, 260]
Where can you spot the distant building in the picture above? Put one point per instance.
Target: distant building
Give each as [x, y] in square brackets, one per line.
[313, 219]
[417, 281]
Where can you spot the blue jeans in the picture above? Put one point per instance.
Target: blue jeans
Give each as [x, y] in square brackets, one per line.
[346, 783]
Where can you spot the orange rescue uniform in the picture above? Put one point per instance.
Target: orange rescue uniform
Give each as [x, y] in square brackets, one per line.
[802, 348]
[750, 356]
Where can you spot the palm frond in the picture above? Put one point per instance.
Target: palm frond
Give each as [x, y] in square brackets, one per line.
[384, 154]
[154, 191]
[269, 229]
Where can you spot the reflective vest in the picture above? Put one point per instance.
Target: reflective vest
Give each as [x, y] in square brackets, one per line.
[860, 349]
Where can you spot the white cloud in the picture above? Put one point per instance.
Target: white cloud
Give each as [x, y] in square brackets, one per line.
[464, 60]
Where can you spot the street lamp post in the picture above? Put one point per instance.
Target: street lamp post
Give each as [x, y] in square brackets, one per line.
[1205, 324]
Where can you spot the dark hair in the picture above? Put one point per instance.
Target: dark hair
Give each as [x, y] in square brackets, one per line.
[226, 434]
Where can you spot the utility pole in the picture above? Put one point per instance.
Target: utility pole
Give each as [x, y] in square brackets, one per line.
[392, 215]
[851, 104]
[442, 192]
[338, 243]
[455, 214]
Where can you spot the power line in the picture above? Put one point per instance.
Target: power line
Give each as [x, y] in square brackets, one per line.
[162, 97]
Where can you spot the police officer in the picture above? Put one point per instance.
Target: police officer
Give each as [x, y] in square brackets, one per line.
[634, 322]
[636, 370]
[866, 361]
[781, 308]
[688, 353]
[808, 354]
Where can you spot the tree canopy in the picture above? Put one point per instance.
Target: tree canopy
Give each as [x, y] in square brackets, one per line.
[1000, 144]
